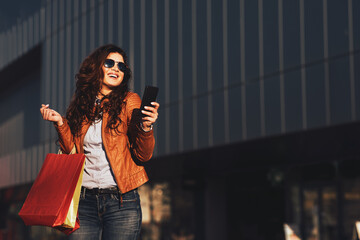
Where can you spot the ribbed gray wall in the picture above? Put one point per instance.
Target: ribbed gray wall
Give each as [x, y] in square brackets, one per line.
[228, 71]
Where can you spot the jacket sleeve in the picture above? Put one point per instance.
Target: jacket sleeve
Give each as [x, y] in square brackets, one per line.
[141, 143]
[65, 137]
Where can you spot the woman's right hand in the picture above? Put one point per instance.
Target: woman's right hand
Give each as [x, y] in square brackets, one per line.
[51, 115]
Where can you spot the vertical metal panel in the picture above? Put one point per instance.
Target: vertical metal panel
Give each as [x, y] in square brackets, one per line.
[84, 37]
[2, 49]
[281, 65]
[42, 22]
[8, 44]
[26, 165]
[19, 42]
[13, 40]
[16, 167]
[180, 80]
[194, 75]
[154, 59]
[132, 42]
[120, 22]
[47, 66]
[20, 167]
[75, 43]
[326, 62]
[154, 41]
[226, 73]
[6, 47]
[47, 69]
[142, 45]
[261, 67]
[53, 35]
[92, 25]
[2, 138]
[110, 13]
[61, 65]
[37, 28]
[31, 32]
[5, 176]
[209, 74]
[167, 76]
[242, 66]
[351, 60]
[68, 53]
[303, 70]
[12, 169]
[40, 158]
[25, 37]
[101, 22]
[34, 168]
[27, 160]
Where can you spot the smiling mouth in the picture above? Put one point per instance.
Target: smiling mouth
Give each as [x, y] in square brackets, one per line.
[113, 76]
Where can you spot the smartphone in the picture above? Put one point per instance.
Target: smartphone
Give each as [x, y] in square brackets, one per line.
[149, 96]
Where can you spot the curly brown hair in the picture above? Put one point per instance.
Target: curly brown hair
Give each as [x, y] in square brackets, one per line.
[88, 84]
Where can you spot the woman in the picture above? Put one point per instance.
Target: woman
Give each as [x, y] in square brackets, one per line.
[102, 121]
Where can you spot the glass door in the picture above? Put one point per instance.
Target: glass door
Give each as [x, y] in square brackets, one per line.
[320, 212]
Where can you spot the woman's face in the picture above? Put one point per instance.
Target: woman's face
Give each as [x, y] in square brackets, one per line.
[113, 76]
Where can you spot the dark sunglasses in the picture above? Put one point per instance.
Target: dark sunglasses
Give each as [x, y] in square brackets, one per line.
[109, 63]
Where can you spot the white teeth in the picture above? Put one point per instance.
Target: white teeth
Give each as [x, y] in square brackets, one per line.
[113, 76]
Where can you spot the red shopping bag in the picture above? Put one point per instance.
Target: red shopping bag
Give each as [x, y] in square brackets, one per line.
[54, 197]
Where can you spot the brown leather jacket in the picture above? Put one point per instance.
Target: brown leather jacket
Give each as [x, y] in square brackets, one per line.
[119, 147]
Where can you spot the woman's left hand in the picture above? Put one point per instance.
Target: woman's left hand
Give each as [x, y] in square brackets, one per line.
[151, 116]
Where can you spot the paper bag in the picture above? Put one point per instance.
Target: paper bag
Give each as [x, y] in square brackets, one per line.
[54, 197]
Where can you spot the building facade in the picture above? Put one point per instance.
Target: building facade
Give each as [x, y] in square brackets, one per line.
[246, 89]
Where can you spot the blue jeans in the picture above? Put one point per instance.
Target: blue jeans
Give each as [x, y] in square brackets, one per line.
[103, 216]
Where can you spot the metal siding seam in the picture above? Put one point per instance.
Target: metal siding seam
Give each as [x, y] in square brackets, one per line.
[242, 69]
[226, 74]
[180, 80]
[303, 70]
[31, 32]
[92, 25]
[2, 50]
[281, 66]
[167, 76]
[261, 68]
[120, 23]
[132, 42]
[68, 75]
[154, 59]
[36, 28]
[101, 22]
[83, 29]
[25, 36]
[61, 66]
[351, 61]
[110, 21]
[326, 64]
[19, 41]
[75, 44]
[209, 74]
[194, 74]
[142, 46]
